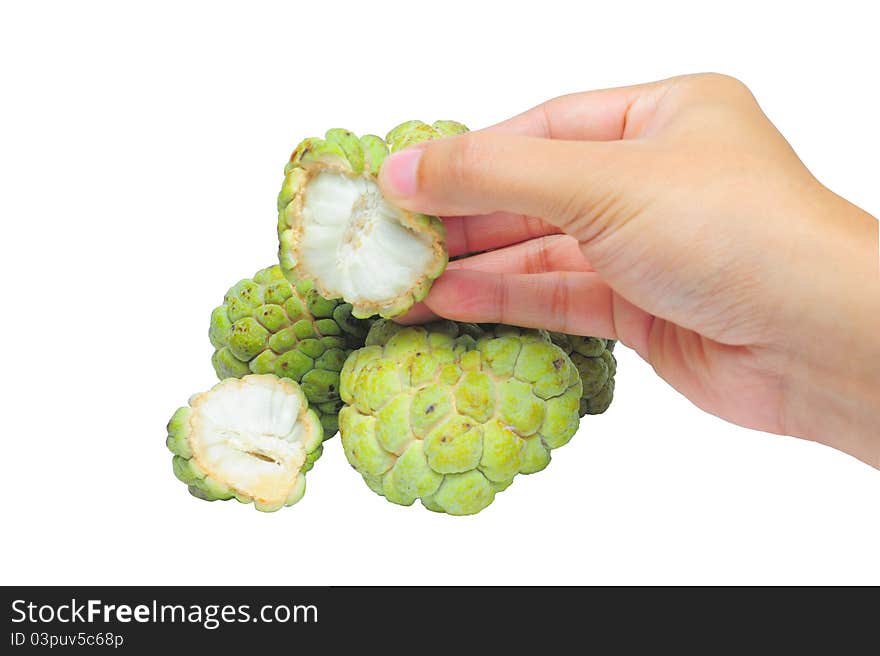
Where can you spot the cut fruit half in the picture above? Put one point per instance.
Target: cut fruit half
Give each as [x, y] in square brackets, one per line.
[251, 438]
[336, 229]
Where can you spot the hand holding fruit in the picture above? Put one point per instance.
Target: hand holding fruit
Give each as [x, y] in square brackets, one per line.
[674, 217]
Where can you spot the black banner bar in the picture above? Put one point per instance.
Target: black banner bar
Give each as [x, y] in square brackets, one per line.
[412, 619]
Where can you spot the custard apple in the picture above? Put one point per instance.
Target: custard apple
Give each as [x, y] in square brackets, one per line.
[252, 439]
[448, 414]
[336, 229]
[268, 325]
[412, 132]
[597, 366]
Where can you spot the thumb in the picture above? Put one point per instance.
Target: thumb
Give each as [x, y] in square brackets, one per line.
[484, 172]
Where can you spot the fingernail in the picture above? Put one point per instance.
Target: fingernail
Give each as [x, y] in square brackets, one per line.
[400, 172]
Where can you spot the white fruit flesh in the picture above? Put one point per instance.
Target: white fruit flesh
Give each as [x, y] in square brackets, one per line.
[250, 434]
[359, 247]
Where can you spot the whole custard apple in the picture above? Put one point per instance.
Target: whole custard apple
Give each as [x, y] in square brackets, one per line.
[449, 413]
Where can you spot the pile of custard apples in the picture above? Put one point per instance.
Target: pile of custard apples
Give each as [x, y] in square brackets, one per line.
[445, 413]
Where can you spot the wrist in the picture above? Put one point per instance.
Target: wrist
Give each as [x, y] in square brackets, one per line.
[833, 379]
[833, 403]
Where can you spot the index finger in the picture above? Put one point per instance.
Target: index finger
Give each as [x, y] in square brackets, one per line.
[483, 232]
[602, 115]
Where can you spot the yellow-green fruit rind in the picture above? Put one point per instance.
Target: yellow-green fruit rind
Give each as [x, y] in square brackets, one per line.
[350, 145]
[267, 325]
[450, 413]
[410, 133]
[597, 366]
[375, 151]
[466, 493]
[449, 128]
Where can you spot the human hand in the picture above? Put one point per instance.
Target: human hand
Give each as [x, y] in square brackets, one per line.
[674, 217]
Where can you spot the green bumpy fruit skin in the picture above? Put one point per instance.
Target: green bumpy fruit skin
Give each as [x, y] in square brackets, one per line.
[267, 325]
[411, 133]
[595, 361]
[449, 414]
[343, 151]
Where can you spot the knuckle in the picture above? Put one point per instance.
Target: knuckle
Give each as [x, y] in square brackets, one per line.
[534, 227]
[536, 257]
[501, 299]
[722, 82]
[559, 301]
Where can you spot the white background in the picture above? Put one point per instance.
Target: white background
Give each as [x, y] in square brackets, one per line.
[141, 150]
